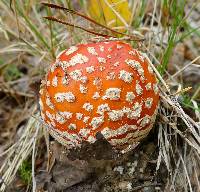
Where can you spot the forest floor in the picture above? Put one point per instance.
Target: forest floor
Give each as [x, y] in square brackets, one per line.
[168, 159]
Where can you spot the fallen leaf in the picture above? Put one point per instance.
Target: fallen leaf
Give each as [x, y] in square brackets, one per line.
[112, 13]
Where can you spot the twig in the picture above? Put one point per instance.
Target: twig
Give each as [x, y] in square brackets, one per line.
[145, 185]
[14, 92]
[185, 67]
[33, 159]
[81, 15]
[76, 26]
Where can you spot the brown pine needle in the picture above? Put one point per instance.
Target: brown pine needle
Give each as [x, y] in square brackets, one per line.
[131, 37]
[76, 26]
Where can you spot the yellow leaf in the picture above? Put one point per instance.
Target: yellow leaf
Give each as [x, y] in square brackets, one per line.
[112, 13]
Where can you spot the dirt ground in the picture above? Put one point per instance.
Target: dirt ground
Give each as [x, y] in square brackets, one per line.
[166, 160]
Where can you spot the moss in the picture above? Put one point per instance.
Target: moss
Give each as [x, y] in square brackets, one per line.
[25, 172]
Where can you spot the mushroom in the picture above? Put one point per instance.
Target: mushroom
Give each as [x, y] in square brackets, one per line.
[105, 87]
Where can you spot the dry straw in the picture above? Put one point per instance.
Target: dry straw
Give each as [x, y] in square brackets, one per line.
[186, 157]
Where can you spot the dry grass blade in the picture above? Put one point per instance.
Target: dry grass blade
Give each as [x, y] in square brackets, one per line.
[17, 153]
[26, 40]
[185, 67]
[190, 137]
[173, 102]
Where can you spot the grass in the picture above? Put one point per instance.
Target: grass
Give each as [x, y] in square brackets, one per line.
[25, 172]
[190, 31]
[186, 101]
[174, 9]
[137, 20]
[11, 72]
[27, 35]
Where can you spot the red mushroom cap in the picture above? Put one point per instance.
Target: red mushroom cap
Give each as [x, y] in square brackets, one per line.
[105, 87]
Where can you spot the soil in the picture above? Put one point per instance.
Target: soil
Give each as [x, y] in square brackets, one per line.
[89, 170]
[96, 167]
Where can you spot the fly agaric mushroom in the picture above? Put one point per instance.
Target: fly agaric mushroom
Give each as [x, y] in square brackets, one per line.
[105, 87]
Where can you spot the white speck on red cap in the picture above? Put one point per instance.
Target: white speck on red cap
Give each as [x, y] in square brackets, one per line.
[97, 121]
[131, 114]
[101, 60]
[103, 108]
[130, 96]
[101, 68]
[77, 59]
[88, 107]
[61, 97]
[50, 116]
[43, 82]
[72, 126]
[119, 46]
[48, 83]
[107, 132]
[131, 52]
[55, 81]
[52, 123]
[101, 48]
[90, 69]
[84, 79]
[71, 50]
[137, 109]
[97, 81]
[115, 115]
[112, 94]
[49, 103]
[65, 80]
[150, 69]
[116, 64]
[79, 116]
[60, 119]
[148, 102]
[144, 121]
[84, 132]
[52, 68]
[66, 114]
[141, 57]
[76, 74]
[138, 88]
[91, 50]
[136, 66]
[83, 89]
[91, 139]
[110, 76]
[148, 86]
[96, 95]
[126, 76]
[155, 88]
[85, 119]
